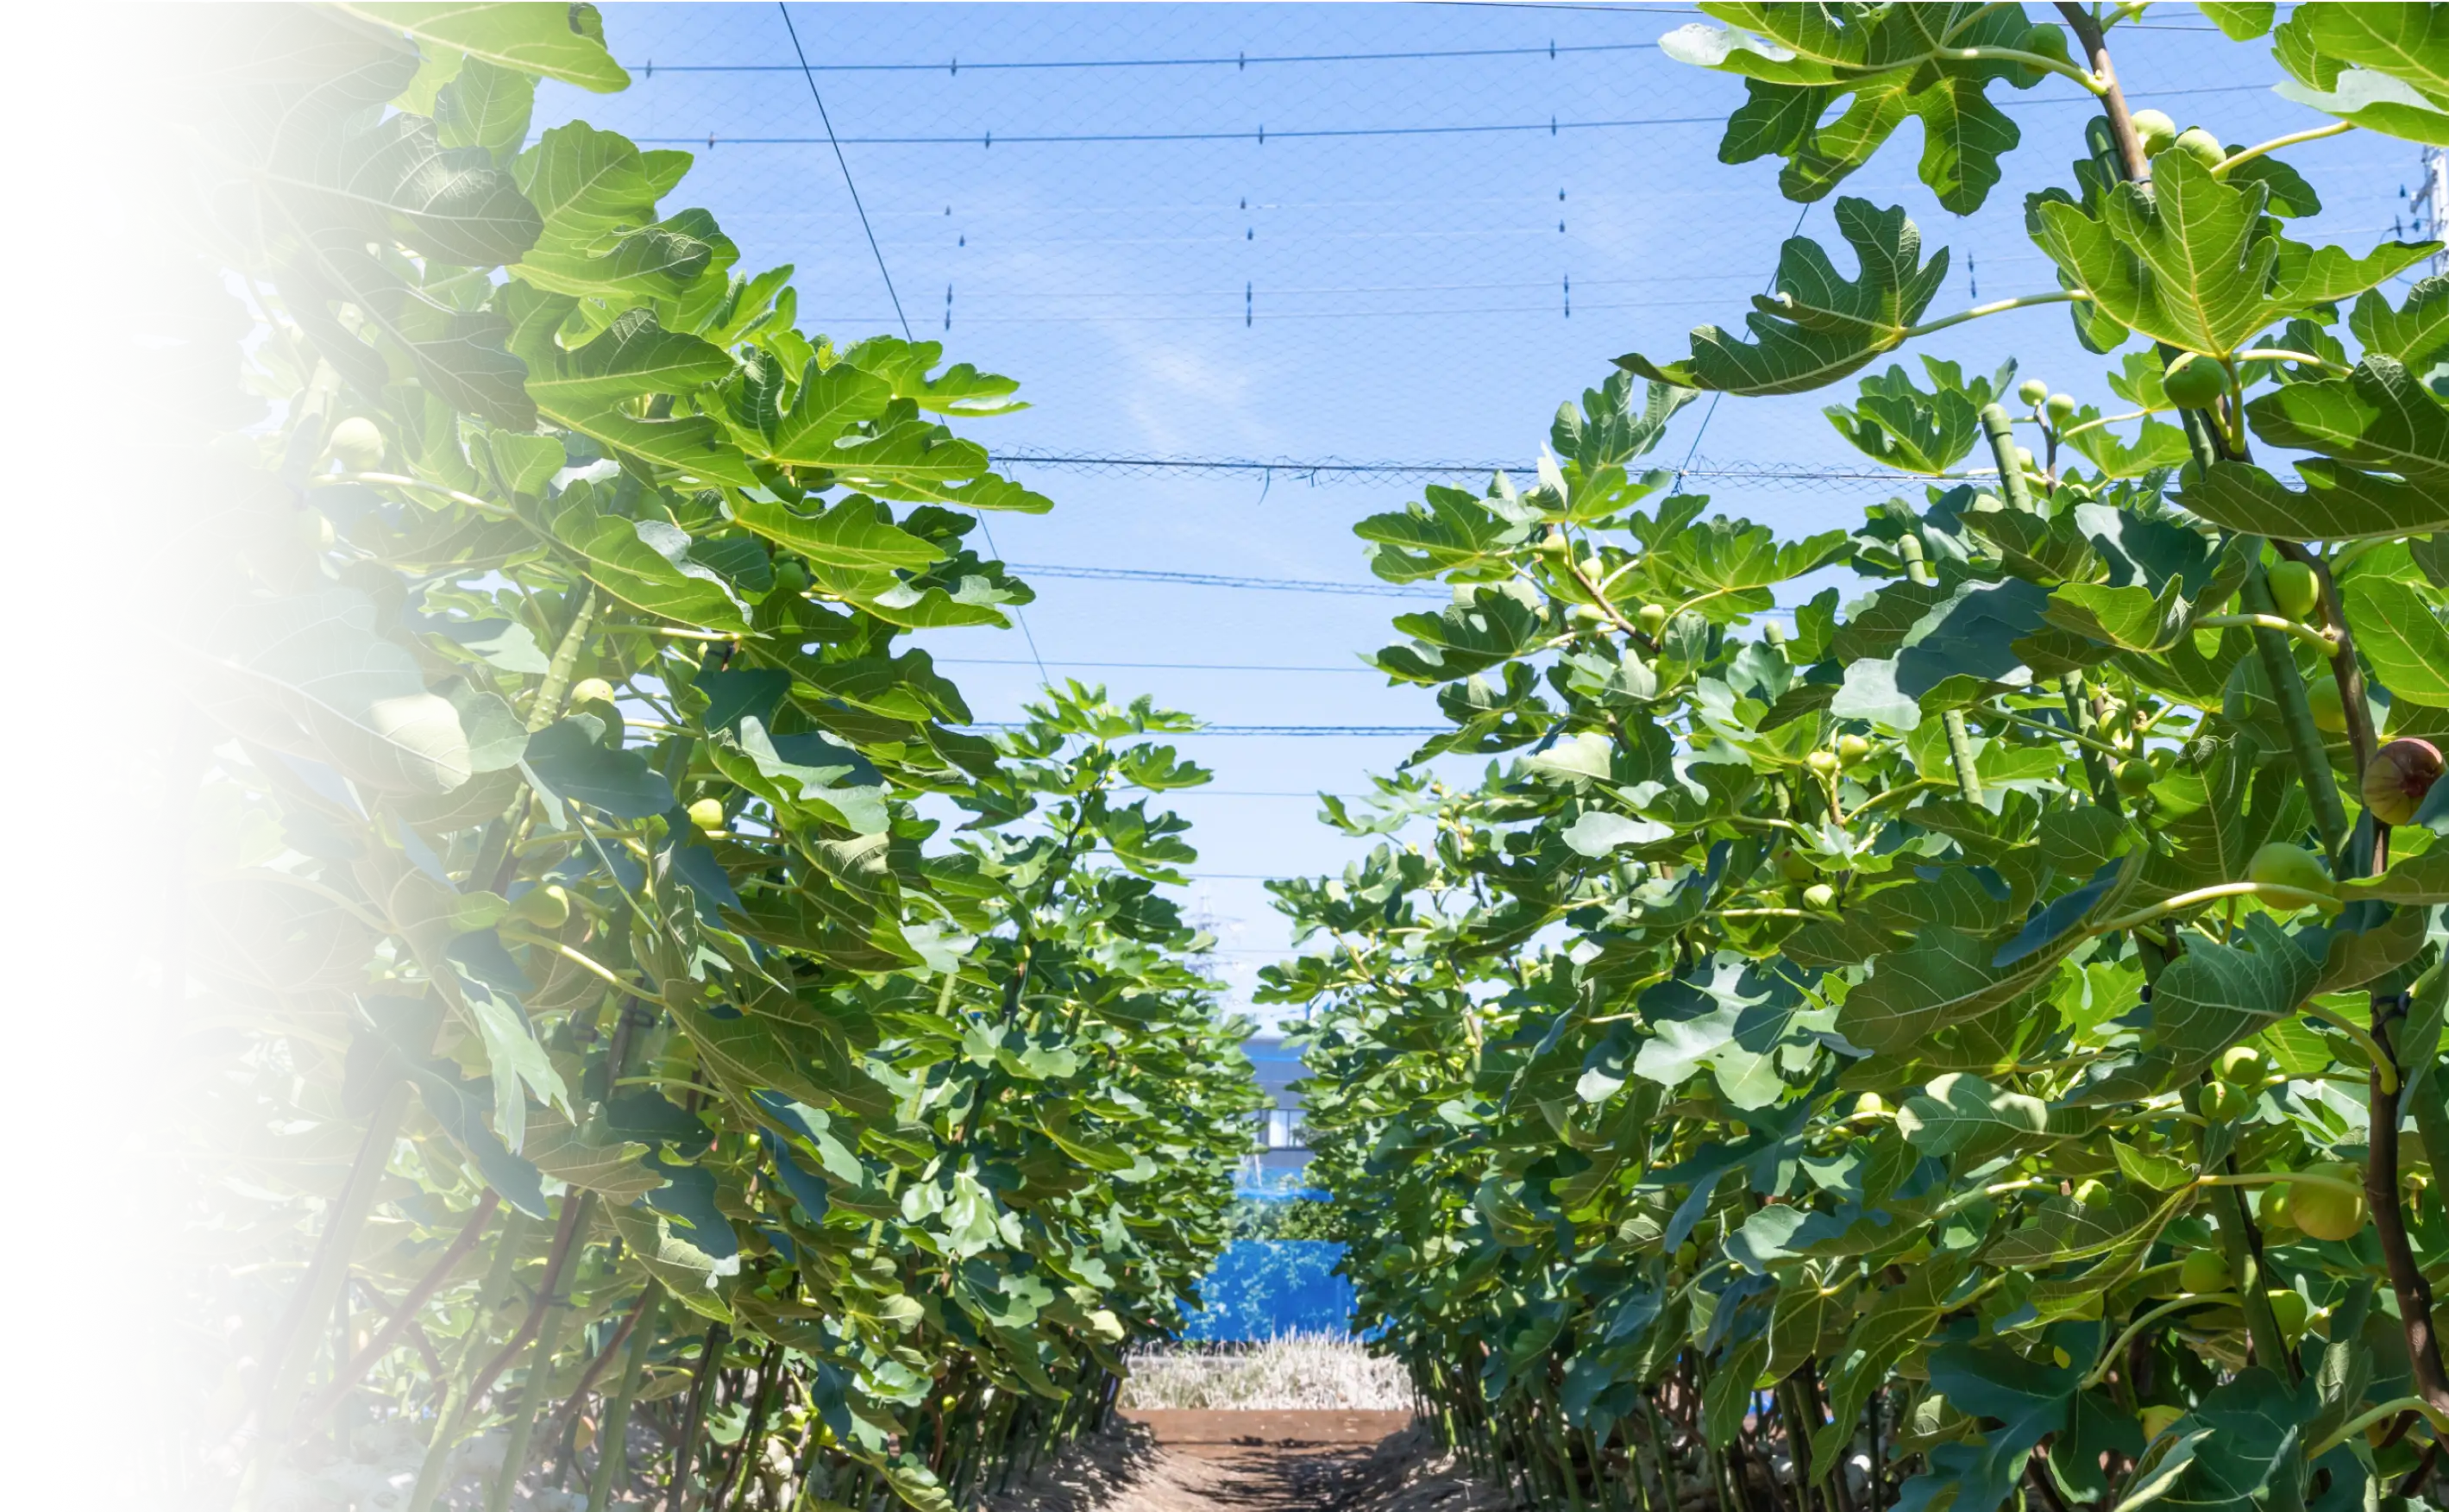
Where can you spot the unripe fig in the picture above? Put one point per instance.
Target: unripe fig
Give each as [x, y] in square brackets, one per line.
[1822, 762]
[2196, 386]
[2033, 391]
[357, 445]
[1869, 1105]
[790, 578]
[1820, 897]
[236, 447]
[1773, 631]
[2326, 1212]
[2157, 1420]
[2290, 1310]
[2294, 589]
[211, 852]
[144, 721]
[591, 690]
[2278, 1209]
[546, 908]
[2204, 1269]
[2201, 147]
[1852, 750]
[2047, 39]
[1586, 614]
[2296, 872]
[1687, 1254]
[2025, 459]
[2329, 707]
[1794, 867]
[2400, 774]
[2239, 1065]
[1652, 618]
[2061, 405]
[2223, 1103]
[2156, 130]
[2134, 778]
[1553, 544]
[707, 814]
[2092, 1192]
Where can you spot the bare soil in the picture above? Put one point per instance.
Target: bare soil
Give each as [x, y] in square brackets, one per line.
[1244, 1461]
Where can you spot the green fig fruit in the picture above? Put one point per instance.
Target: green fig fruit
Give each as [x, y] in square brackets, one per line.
[2204, 1271]
[2201, 147]
[2294, 873]
[2033, 391]
[2291, 1313]
[2240, 1065]
[2134, 778]
[1820, 897]
[357, 445]
[1852, 750]
[2329, 707]
[2327, 1212]
[2155, 129]
[2196, 386]
[1652, 618]
[546, 907]
[1823, 762]
[2294, 589]
[2061, 405]
[590, 690]
[707, 814]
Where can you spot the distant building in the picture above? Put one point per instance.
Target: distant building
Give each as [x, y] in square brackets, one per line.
[1285, 1142]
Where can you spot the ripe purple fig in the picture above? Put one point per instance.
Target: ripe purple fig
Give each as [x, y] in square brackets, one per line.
[2400, 774]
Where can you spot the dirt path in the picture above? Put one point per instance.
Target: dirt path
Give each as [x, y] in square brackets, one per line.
[1252, 1462]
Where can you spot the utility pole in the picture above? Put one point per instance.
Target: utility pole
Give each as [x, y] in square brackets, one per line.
[2430, 204]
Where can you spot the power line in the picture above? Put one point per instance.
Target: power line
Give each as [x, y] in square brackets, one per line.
[1336, 469]
[1237, 61]
[1211, 579]
[1275, 731]
[1147, 666]
[852, 186]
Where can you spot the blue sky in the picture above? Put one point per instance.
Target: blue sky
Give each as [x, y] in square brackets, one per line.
[1404, 290]
[1382, 277]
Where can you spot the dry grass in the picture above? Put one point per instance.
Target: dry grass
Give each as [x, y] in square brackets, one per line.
[1295, 1373]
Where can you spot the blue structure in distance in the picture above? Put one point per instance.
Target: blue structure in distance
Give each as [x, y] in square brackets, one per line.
[1264, 1287]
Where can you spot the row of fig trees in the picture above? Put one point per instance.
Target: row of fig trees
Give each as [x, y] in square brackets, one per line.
[1969, 1037]
[643, 1042]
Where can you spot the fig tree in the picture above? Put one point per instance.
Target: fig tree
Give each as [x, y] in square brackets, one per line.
[357, 445]
[2400, 774]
